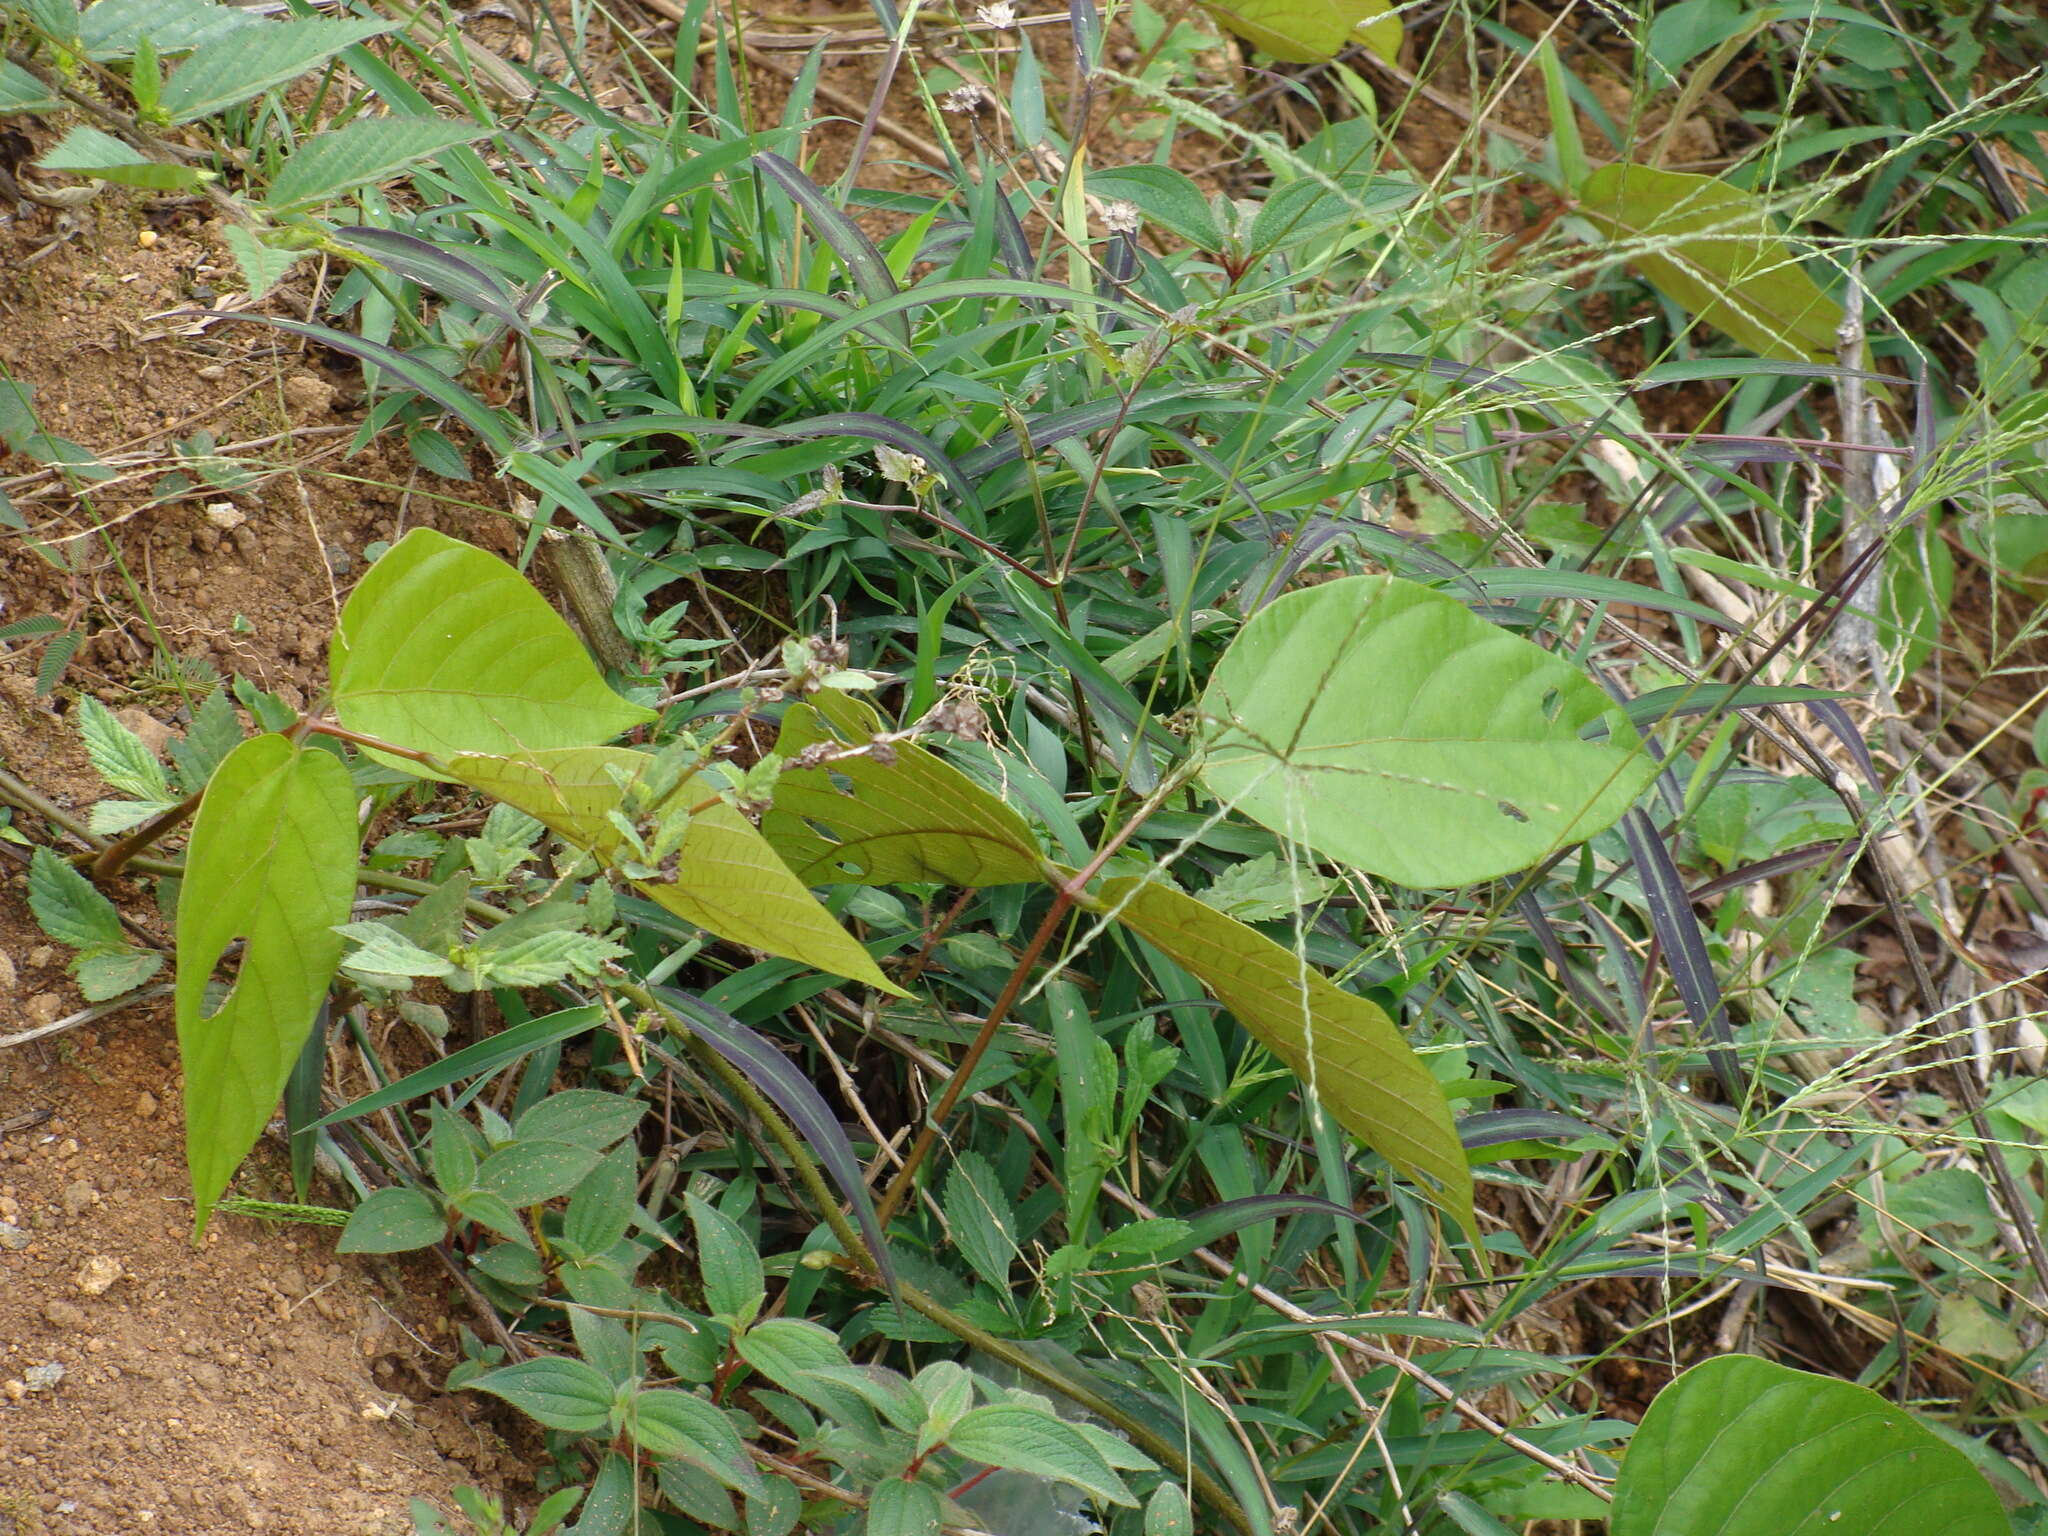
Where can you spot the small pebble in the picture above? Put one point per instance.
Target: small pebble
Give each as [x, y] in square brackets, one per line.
[97, 1273]
[41, 1378]
[145, 238]
[212, 373]
[79, 1197]
[14, 1391]
[62, 1314]
[12, 1238]
[145, 1105]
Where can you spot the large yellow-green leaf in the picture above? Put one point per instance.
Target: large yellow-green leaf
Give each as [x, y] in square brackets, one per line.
[272, 862]
[729, 881]
[898, 815]
[1740, 1446]
[1389, 727]
[1311, 31]
[444, 648]
[1344, 1047]
[1713, 249]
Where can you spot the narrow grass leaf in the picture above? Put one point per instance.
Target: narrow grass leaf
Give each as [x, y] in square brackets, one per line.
[1345, 1048]
[446, 649]
[849, 242]
[1684, 946]
[501, 1049]
[451, 276]
[791, 1092]
[272, 862]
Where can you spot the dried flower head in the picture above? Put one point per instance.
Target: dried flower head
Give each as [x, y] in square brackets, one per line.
[969, 100]
[999, 14]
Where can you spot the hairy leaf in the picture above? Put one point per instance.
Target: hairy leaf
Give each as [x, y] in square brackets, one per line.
[250, 60]
[1345, 1048]
[900, 815]
[395, 1220]
[728, 879]
[562, 1394]
[446, 649]
[1385, 725]
[1032, 1440]
[1739, 1445]
[86, 151]
[272, 861]
[364, 151]
[68, 907]
[681, 1424]
[1711, 247]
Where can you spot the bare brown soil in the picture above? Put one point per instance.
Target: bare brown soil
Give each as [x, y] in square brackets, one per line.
[253, 1383]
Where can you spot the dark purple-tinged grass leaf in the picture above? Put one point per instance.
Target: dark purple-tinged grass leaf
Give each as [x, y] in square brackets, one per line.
[1098, 416]
[302, 1103]
[1685, 949]
[486, 423]
[1593, 999]
[429, 265]
[795, 1096]
[1012, 244]
[1219, 1221]
[1682, 699]
[848, 240]
[1086, 24]
[1770, 869]
[1843, 729]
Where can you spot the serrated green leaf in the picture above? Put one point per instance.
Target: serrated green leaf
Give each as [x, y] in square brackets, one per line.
[381, 950]
[215, 732]
[1712, 248]
[68, 908]
[910, 818]
[1262, 889]
[529, 1172]
[562, 1394]
[731, 1268]
[263, 266]
[1032, 1440]
[108, 973]
[1387, 726]
[362, 152]
[582, 1116]
[899, 1507]
[394, 1220]
[272, 861]
[1343, 1047]
[110, 818]
[445, 649]
[540, 959]
[728, 880]
[680, 1425]
[983, 1224]
[21, 91]
[1739, 1445]
[250, 60]
[111, 29]
[86, 151]
[1311, 31]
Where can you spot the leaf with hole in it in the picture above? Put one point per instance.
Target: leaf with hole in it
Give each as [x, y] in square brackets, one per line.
[1712, 249]
[1311, 31]
[1385, 725]
[86, 151]
[249, 61]
[445, 649]
[364, 151]
[1739, 1445]
[728, 881]
[272, 862]
[893, 814]
[1342, 1046]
